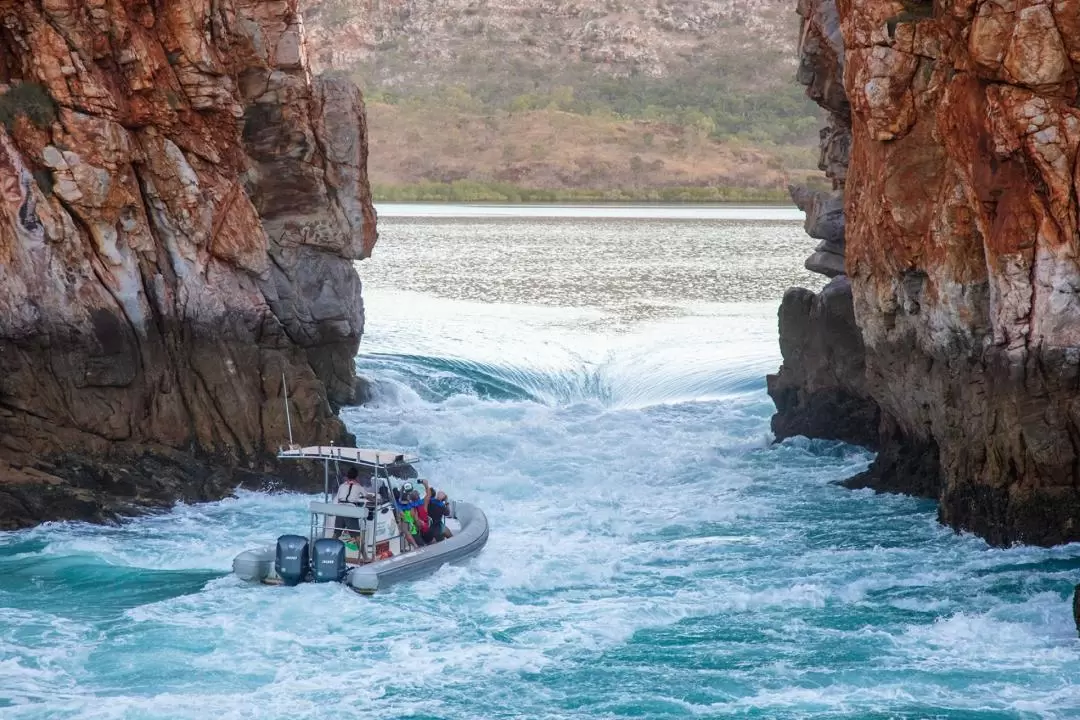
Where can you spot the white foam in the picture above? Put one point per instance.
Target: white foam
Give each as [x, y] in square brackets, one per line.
[640, 551]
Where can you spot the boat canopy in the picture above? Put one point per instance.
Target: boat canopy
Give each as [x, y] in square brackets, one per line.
[356, 456]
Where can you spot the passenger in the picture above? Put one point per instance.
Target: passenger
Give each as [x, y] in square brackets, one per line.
[409, 531]
[423, 521]
[420, 515]
[410, 525]
[433, 511]
[354, 489]
[352, 492]
[438, 511]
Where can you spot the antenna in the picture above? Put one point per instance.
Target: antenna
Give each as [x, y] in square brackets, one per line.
[288, 417]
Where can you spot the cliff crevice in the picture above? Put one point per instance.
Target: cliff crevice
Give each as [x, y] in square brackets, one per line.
[181, 205]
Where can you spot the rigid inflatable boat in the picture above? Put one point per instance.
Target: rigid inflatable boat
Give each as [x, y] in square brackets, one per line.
[361, 539]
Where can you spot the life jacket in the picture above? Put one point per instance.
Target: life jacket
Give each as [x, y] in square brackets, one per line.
[351, 491]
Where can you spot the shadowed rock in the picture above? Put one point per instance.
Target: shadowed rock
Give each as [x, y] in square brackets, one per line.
[825, 222]
[1076, 607]
[362, 392]
[820, 389]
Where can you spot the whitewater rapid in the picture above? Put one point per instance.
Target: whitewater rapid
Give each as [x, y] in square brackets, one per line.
[652, 553]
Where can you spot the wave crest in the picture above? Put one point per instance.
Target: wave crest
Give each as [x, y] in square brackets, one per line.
[619, 382]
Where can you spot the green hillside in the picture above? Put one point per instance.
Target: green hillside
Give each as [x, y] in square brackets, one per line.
[717, 73]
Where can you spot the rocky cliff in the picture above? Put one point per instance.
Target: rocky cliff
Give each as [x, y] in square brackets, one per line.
[960, 247]
[180, 207]
[640, 37]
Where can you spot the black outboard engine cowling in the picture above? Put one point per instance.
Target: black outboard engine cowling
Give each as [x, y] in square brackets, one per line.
[291, 562]
[328, 558]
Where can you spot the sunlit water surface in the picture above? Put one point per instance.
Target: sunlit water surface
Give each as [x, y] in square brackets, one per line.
[596, 383]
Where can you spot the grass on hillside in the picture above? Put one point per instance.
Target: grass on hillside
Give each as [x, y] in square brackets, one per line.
[782, 115]
[425, 152]
[729, 84]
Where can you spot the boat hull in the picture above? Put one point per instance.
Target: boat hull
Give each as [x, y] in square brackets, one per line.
[257, 565]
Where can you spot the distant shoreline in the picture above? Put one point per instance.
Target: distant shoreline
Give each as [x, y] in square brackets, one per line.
[467, 191]
[729, 211]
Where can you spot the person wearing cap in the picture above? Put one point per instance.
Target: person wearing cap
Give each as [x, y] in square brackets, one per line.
[409, 524]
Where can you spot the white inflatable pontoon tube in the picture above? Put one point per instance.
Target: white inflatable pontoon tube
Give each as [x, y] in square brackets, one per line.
[257, 565]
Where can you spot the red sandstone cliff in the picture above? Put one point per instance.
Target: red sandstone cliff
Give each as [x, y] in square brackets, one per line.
[180, 208]
[961, 243]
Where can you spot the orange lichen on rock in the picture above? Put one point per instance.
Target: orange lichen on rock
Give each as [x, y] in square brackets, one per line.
[181, 205]
[961, 249]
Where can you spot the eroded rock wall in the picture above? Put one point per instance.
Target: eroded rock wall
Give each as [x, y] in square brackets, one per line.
[961, 244]
[961, 247]
[181, 206]
[821, 391]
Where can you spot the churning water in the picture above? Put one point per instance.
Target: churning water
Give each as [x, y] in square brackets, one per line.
[596, 384]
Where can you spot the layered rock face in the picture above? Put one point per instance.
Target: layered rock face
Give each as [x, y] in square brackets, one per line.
[821, 389]
[180, 208]
[961, 247]
[648, 38]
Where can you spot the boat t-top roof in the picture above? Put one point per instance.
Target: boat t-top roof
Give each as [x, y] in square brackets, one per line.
[355, 456]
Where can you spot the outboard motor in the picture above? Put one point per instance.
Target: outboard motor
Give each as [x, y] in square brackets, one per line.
[291, 562]
[328, 555]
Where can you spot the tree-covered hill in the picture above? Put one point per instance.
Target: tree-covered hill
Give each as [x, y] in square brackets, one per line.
[565, 94]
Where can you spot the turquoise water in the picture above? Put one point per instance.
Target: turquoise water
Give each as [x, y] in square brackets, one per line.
[596, 384]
